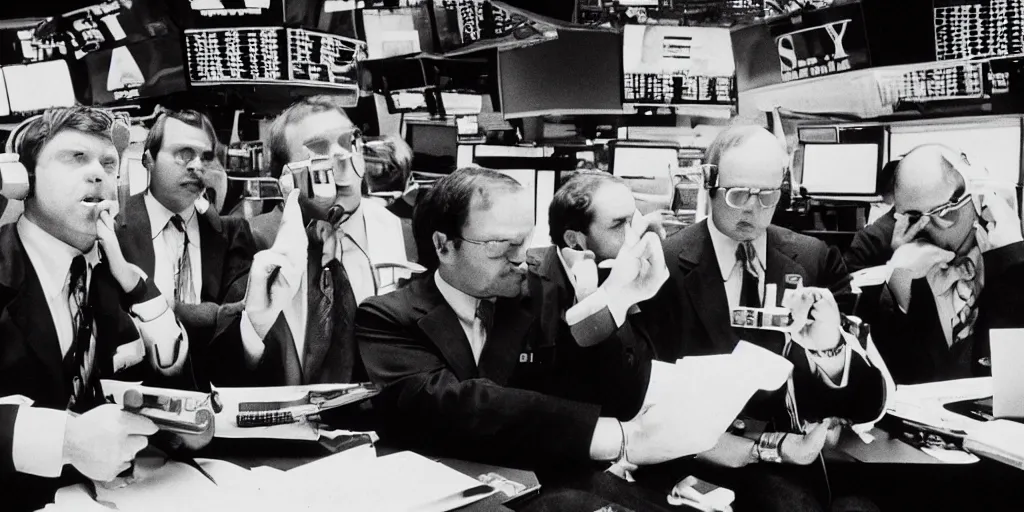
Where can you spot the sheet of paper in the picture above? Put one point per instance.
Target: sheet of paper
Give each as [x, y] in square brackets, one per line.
[400, 482]
[712, 390]
[923, 403]
[227, 424]
[872, 276]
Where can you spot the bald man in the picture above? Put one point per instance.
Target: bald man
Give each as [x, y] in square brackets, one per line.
[957, 271]
[725, 262]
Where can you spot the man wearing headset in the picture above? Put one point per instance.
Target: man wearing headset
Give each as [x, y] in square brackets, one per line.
[957, 265]
[726, 262]
[64, 290]
[300, 331]
[197, 259]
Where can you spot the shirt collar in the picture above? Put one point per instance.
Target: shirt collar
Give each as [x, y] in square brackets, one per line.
[51, 257]
[725, 250]
[461, 302]
[159, 216]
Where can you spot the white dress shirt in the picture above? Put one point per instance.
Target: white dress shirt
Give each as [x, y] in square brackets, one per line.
[464, 306]
[38, 446]
[732, 269]
[353, 253]
[168, 243]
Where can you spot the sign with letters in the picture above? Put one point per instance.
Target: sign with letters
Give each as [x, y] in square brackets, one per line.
[820, 43]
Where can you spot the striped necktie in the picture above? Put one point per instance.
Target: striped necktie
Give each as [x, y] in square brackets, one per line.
[85, 391]
[750, 295]
[965, 301]
[184, 290]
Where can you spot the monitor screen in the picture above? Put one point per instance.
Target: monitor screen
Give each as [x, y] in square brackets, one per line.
[235, 55]
[665, 65]
[232, 13]
[112, 23]
[5, 107]
[142, 70]
[432, 139]
[35, 87]
[578, 73]
[325, 60]
[647, 171]
[841, 169]
[993, 146]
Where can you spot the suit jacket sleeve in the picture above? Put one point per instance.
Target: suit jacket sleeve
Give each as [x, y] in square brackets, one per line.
[8, 413]
[870, 247]
[860, 401]
[425, 405]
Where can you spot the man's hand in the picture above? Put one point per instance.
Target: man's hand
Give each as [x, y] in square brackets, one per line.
[1002, 226]
[815, 317]
[656, 435]
[583, 266]
[126, 274]
[103, 442]
[904, 233]
[639, 271]
[804, 449]
[915, 259]
[277, 273]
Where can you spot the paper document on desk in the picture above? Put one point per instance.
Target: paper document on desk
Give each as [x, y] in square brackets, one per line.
[924, 403]
[712, 390]
[227, 424]
[162, 485]
[400, 482]
[1001, 440]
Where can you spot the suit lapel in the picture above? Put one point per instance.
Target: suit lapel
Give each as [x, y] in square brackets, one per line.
[442, 326]
[703, 282]
[213, 248]
[506, 339]
[137, 242]
[28, 308]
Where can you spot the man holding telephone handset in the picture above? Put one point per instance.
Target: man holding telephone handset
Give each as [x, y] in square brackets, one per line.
[957, 265]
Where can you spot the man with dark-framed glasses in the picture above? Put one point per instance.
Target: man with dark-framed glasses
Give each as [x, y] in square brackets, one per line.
[727, 262]
[955, 269]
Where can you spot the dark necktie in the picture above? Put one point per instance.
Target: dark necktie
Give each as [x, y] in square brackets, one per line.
[750, 295]
[965, 290]
[485, 312]
[184, 291]
[84, 385]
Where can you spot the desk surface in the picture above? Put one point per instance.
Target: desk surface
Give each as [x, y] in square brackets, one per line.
[285, 455]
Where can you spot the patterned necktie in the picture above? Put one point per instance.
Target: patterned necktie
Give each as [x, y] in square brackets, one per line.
[184, 292]
[964, 300]
[84, 387]
[485, 312]
[750, 296]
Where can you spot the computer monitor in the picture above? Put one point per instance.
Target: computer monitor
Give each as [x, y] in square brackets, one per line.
[664, 65]
[841, 169]
[215, 56]
[232, 13]
[142, 70]
[39, 86]
[994, 145]
[648, 169]
[434, 139]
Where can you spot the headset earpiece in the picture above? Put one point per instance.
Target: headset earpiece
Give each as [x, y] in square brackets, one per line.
[710, 175]
[15, 180]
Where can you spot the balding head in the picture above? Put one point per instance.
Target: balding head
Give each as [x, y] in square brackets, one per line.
[929, 177]
[746, 156]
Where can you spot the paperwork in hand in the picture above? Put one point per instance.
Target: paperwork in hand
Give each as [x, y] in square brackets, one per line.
[711, 391]
[400, 482]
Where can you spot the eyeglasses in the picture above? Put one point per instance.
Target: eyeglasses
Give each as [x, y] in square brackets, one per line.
[185, 156]
[499, 248]
[350, 141]
[945, 215]
[739, 197]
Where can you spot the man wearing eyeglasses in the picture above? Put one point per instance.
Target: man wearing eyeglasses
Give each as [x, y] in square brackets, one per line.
[467, 371]
[726, 262]
[197, 259]
[955, 271]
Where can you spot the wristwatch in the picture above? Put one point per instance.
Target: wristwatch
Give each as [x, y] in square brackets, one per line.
[831, 352]
[767, 447]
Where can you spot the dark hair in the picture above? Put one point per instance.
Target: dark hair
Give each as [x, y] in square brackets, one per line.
[276, 143]
[571, 207]
[397, 157]
[155, 139]
[445, 207]
[40, 131]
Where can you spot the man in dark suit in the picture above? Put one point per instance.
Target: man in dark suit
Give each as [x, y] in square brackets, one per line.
[466, 372]
[958, 278]
[197, 260]
[64, 291]
[873, 244]
[726, 262]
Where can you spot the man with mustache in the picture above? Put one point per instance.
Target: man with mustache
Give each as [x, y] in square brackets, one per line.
[726, 262]
[466, 366]
[952, 282]
[64, 290]
[197, 260]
